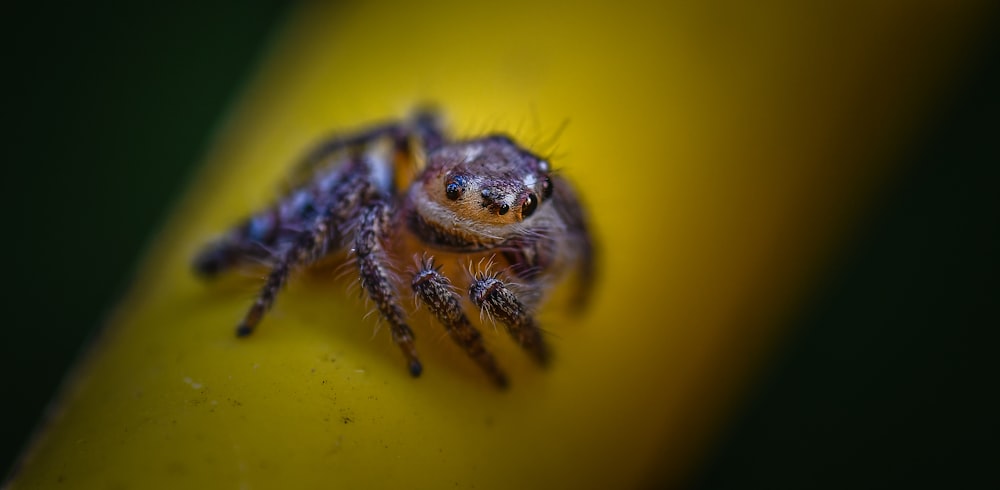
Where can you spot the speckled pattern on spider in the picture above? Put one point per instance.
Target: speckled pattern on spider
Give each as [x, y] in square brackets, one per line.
[483, 200]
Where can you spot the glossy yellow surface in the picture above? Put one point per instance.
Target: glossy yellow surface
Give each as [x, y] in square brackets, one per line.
[722, 149]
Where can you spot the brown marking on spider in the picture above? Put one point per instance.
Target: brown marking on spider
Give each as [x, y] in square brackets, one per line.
[478, 198]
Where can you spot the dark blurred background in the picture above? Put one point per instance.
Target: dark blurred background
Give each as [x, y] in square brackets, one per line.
[109, 108]
[889, 375]
[886, 379]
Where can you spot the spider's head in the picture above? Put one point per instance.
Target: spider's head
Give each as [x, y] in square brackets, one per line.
[487, 186]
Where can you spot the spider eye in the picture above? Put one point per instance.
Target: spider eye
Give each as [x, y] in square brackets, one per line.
[529, 206]
[453, 190]
[504, 208]
[547, 188]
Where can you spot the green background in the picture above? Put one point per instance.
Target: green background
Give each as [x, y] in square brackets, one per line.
[886, 378]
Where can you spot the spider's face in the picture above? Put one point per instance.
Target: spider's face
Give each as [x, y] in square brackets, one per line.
[488, 181]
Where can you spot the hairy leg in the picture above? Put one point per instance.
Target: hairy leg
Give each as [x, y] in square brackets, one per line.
[337, 206]
[580, 238]
[436, 293]
[373, 228]
[254, 238]
[281, 225]
[310, 245]
[249, 242]
[424, 125]
[490, 294]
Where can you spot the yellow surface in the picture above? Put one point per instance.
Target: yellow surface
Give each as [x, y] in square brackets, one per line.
[722, 150]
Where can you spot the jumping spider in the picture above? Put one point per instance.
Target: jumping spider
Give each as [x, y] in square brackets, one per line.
[480, 199]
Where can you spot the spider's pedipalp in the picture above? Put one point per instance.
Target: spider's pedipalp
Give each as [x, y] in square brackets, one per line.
[490, 294]
[436, 293]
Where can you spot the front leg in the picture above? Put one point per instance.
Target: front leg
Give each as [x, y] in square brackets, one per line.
[374, 276]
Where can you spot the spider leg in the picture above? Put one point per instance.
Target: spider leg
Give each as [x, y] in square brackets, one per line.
[248, 242]
[373, 228]
[580, 240]
[254, 238]
[424, 125]
[490, 294]
[280, 225]
[434, 291]
[310, 245]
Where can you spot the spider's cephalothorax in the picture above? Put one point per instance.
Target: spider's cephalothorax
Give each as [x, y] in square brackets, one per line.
[482, 199]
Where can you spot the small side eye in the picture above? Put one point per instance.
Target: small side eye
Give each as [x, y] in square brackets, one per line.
[529, 206]
[504, 208]
[547, 188]
[454, 189]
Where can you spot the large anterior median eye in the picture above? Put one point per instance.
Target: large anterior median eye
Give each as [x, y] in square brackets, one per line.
[454, 188]
[529, 206]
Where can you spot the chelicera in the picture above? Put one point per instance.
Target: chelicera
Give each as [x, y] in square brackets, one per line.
[482, 200]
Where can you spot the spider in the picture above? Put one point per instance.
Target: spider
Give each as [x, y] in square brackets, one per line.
[482, 199]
